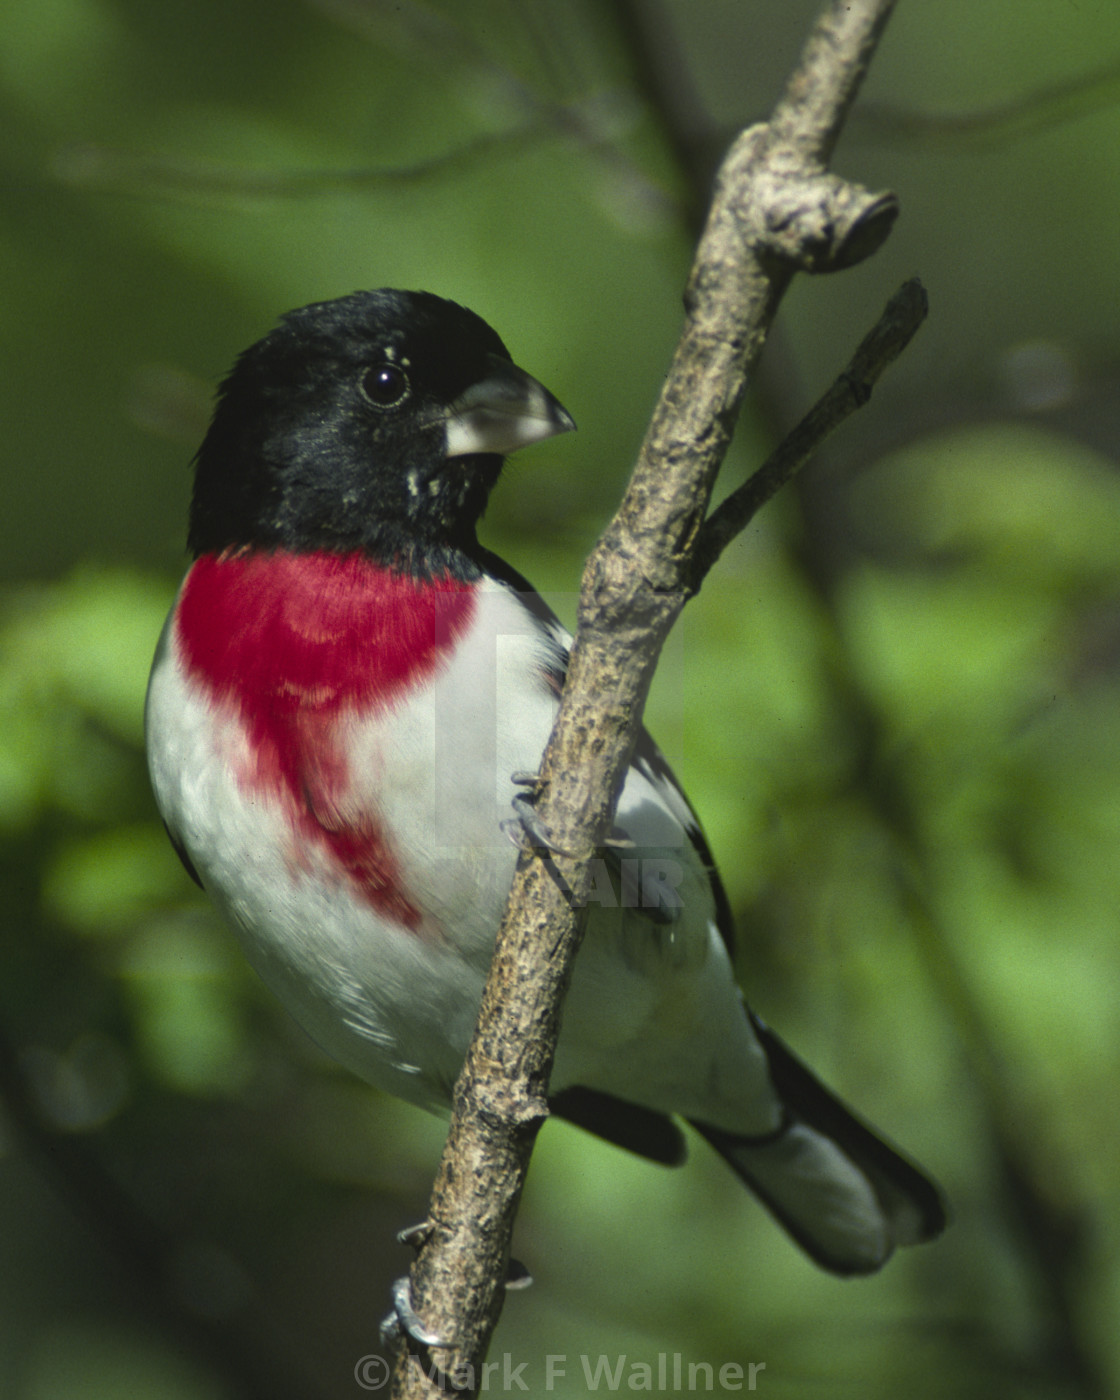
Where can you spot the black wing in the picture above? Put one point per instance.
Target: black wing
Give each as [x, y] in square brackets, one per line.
[647, 758]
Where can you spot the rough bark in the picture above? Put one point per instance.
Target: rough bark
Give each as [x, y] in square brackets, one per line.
[775, 210]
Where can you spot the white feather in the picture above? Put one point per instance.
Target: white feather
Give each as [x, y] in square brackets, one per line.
[653, 1014]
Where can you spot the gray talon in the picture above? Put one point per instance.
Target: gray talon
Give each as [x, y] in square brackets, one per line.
[517, 1275]
[415, 1235]
[514, 833]
[403, 1318]
[534, 828]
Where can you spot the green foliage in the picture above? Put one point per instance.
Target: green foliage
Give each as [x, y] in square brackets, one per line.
[895, 703]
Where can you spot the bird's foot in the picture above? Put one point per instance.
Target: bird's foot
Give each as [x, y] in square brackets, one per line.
[525, 828]
[403, 1320]
[416, 1235]
[517, 1276]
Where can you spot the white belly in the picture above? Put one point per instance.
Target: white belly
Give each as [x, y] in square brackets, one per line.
[652, 1015]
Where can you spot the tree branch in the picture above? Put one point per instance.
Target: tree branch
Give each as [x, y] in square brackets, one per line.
[850, 390]
[775, 210]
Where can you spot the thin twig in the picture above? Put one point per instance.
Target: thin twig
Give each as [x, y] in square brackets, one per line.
[154, 175]
[851, 389]
[1039, 110]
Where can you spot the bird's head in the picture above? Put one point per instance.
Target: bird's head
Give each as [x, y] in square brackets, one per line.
[376, 422]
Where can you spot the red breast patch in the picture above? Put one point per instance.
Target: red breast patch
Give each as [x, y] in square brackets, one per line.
[294, 641]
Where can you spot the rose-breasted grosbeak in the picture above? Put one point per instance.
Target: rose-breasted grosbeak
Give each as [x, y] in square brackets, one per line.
[340, 700]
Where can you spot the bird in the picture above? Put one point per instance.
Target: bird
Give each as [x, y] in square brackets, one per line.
[345, 701]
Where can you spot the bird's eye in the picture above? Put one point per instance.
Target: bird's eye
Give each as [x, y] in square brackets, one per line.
[386, 385]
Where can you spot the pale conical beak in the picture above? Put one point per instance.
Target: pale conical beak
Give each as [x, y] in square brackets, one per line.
[506, 410]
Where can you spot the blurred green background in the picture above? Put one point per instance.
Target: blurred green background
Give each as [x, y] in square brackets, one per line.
[896, 703]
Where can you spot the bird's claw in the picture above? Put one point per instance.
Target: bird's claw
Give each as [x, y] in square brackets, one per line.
[415, 1235]
[404, 1320]
[525, 828]
[517, 1275]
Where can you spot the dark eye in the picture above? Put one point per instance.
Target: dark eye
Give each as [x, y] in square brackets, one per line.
[385, 385]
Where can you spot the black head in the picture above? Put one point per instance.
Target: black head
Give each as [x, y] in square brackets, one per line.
[375, 422]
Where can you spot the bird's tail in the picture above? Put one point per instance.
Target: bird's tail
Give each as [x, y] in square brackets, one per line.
[845, 1196]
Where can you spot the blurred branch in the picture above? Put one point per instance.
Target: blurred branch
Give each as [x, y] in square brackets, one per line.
[776, 210]
[135, 172]
[593, 124]
[1053, 1228]
[447, 46]
[662, 76]
[594, 120]
[1002, 122]
[411, 26]
[239, 1350]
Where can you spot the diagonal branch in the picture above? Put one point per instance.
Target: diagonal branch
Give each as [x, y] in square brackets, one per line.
[850, 390]
[775, 210]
